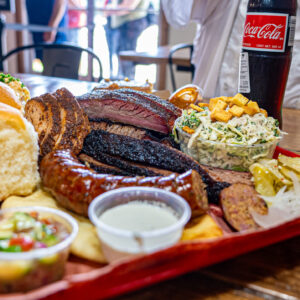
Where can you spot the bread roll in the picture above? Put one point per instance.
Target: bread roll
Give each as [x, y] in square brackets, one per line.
[18, 154]
[12, 91]
[8, 96]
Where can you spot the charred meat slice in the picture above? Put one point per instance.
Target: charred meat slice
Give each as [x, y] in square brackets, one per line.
[76, 122]
[59, 121]
[127, 108]
[129, 167]
[149, 153]
[37, 112]
[101, 167]
[237, 202]
[229, 176]
[53, 124]
[140, 151]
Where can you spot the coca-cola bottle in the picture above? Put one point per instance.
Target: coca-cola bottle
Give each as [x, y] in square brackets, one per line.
[267, 52]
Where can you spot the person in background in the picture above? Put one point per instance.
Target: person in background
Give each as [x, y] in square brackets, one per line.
[51, 13]
[76, 18]
[218, 41]
[125, 22]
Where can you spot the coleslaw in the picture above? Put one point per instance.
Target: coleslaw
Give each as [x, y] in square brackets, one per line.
[234, 145]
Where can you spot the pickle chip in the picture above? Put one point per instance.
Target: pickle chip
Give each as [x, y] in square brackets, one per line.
[263, 180]
[272, 166]
[290, 162]
[286, 172]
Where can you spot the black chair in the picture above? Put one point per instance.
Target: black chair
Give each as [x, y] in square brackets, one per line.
[60, 60]
[185, 68]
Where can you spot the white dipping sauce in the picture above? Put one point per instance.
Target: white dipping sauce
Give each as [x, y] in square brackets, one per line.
[139, 216]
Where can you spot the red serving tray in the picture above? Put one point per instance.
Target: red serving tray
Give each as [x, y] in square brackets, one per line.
[90, 281]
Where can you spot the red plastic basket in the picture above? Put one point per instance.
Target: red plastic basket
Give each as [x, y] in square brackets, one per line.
[132, 274]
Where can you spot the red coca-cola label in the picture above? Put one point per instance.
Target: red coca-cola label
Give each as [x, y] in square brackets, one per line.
[265, 32]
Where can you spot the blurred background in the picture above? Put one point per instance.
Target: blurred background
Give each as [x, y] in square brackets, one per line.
[108, 27]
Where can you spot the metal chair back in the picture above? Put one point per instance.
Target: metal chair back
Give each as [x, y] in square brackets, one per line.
[60, 60]
[190, 68]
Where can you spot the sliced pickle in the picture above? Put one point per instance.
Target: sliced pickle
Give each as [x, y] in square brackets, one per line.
[272, 166]
[290, 162]
[263, 180]
[286, 172]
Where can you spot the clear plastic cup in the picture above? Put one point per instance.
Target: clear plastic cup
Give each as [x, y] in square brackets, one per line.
[24, 271]
[119, 243]
[225, 156]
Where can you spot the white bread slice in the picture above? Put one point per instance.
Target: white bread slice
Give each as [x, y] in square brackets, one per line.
[18, 154]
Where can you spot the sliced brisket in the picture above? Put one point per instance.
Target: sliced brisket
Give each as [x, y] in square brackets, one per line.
[131, 168]
[229, 176]
[101, 167]
[128, 107]
[155, 101]
[147, 152]
[121, 129]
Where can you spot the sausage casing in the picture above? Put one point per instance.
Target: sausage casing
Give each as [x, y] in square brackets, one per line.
[74, 185]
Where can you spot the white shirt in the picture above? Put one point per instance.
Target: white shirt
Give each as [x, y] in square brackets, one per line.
[218, 41]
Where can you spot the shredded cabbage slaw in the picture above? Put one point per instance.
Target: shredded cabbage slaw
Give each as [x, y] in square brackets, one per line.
[245, 130]
[234, 145]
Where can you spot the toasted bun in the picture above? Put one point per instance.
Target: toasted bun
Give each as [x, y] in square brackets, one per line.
[18, 154]
[12, 117]
[9, 96]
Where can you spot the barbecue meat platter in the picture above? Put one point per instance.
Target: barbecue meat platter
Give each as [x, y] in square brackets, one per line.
[109, 139]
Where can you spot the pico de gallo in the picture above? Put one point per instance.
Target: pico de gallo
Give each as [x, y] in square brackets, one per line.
[26, 231]
[34, 247]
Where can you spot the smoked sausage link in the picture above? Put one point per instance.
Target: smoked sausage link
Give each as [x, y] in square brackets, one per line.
[74, 185]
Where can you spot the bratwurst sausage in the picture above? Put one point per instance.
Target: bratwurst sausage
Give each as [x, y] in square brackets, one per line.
[74, 185]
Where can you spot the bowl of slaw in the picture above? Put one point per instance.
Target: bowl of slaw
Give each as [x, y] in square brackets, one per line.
[234, 145]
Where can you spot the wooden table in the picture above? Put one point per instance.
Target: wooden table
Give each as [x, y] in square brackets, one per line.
[269, 273]
[159, 57]
[39, 85]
